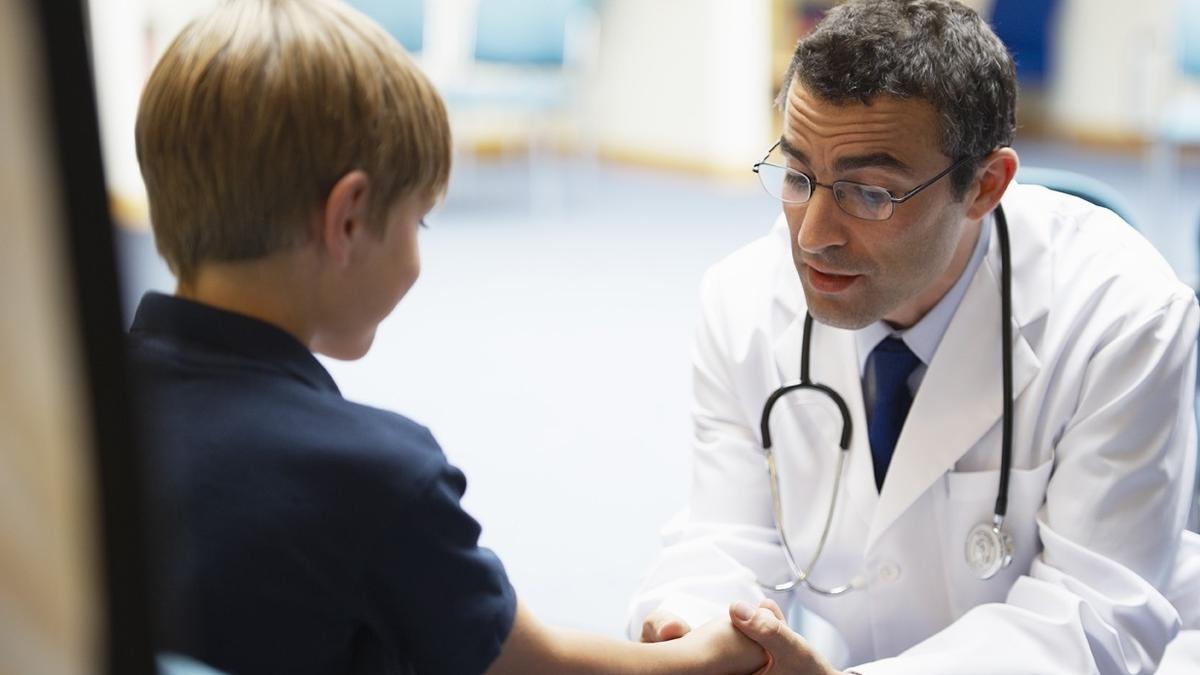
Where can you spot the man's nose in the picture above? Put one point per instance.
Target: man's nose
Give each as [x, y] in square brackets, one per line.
[822, 222]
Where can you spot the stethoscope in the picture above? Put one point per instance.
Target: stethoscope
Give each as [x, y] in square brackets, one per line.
[989, 546]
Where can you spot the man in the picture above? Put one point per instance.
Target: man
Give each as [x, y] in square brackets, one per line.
[896, 175]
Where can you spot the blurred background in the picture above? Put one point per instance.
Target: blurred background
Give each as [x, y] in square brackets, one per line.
[602, 162]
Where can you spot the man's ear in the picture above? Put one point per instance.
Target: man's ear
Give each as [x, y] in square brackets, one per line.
[344, 216]
[993, 178]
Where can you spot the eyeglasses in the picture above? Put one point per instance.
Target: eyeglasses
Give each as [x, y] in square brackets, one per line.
[869, 202]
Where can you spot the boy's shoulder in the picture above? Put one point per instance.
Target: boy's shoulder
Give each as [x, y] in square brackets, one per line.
[225, 394]
[378, 441]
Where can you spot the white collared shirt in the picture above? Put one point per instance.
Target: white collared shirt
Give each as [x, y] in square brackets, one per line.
[924, 336]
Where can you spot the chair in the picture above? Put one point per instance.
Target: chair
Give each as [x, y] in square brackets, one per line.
[1079, 185]
[526, 54]
[175, 664]
[1175, 107]
[524, 32]
[404, 19]
[529, 61]
[1024, 27]
[1180, 121]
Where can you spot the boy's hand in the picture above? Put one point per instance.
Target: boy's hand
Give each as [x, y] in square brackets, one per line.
[723, 650]
[661, 625]
[787, 652]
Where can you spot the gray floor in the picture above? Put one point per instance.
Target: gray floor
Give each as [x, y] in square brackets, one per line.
[546, 345]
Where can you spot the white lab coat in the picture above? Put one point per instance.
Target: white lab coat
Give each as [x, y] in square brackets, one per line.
[1103, 459]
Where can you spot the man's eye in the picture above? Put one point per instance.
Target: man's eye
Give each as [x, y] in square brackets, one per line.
[874, 197]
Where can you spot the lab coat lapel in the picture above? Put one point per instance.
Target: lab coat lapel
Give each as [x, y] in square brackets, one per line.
[961, 396]
[834, 363]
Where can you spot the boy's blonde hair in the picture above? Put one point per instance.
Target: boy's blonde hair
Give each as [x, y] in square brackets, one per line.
[259, 107]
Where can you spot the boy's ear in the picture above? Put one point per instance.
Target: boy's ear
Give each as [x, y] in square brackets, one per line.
[995, 174]
[344, 217]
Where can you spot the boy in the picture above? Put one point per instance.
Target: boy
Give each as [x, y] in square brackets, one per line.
[290, 150]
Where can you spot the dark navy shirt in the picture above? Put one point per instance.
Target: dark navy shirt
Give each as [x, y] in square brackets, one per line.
[301, 533]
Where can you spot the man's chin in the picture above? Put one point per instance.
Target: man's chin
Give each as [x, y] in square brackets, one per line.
[838, 314]
[840, 320]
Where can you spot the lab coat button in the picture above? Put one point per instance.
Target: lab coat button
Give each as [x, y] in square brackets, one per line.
[889, 572]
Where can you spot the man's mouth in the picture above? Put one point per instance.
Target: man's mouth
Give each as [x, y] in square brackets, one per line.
[829, 281]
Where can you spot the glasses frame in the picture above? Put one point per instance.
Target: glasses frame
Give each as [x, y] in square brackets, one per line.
[831, 187]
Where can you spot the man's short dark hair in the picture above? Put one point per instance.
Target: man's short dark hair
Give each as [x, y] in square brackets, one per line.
[935, 50]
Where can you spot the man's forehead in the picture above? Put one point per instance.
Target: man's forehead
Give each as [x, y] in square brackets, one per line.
[913, 114]
[887, 131]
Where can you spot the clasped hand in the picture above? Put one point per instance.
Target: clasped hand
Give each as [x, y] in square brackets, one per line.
[785, 650]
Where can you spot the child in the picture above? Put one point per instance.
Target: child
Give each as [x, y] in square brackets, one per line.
[290, 150]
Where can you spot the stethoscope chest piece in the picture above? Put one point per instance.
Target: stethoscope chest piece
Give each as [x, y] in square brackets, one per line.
[989, 549]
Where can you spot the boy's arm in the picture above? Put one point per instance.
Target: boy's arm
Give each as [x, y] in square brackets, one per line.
[532, 646]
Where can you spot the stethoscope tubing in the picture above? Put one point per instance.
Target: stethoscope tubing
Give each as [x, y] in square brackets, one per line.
[1006, 363]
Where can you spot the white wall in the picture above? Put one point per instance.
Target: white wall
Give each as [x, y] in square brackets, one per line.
[685, 81]
[1113, 65]
[688, 82]
[119, 57]
[128, 36]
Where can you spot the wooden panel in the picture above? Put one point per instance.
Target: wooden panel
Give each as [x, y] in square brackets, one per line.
[48, 586]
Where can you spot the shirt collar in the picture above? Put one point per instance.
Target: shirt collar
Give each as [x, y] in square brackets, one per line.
[200, 326]
[924, 337]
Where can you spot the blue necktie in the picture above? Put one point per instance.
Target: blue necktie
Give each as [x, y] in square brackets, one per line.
[893, 363]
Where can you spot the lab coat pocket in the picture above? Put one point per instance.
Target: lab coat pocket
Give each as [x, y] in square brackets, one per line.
[971, 500]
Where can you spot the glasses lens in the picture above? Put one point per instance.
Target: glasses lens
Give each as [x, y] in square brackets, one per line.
[783, 184]
[863, 201]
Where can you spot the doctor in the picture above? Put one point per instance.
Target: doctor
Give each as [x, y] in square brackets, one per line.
[901, 229]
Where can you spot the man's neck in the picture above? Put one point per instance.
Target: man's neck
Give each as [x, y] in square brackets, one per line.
[910, 313]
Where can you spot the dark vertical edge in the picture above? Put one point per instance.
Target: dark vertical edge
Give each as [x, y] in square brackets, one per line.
[88, 243]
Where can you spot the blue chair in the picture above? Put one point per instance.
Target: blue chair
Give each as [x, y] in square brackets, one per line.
[174, 664]
[524, 83]
[1024, 27]
[524, 32]
[525, 55]
[1079, 185]
[404, 19]
[1180, 122]
[1177, 122]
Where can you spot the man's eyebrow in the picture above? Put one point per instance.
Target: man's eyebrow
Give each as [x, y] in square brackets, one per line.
[881, 160]
[792, 151]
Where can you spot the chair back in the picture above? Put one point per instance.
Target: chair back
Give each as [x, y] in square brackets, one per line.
[527, 32]
[1025, 27]
[1189, 37]
[1079, 185]
[176, 664]
[404, 19]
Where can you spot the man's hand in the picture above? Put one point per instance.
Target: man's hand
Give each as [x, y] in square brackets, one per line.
[661, 626]
[786, 651]
[717, 648]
